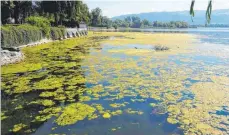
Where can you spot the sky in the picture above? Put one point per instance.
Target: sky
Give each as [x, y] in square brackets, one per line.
[113, 8]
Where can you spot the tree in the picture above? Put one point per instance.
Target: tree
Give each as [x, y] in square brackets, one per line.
[22, 9]
[18, 10]
[85, 13]
[136, 22]
[96, 15]
[106, 22]
[128, 21]
[6, 11]
[145, 23]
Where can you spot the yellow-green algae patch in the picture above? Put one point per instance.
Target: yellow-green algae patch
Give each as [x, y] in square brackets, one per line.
[3, 116]
[47, 113]
[117, 112]
[21, 67]
[22, 85]
[133, 51]
[99, 107]
[92, 116]
[106, 115]
[44, 102]
[177, 42]
[18, 127]
[49, 83]
[76, 80]
[74, 113]
[52, 110]
[131, 111]
[48, 94]
[117, 105]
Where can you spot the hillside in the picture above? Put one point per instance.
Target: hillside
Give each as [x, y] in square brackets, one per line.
[218, 16]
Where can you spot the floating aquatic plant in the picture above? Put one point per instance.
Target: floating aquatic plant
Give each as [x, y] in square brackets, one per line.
[117, 112]
[116, 105]
[130, 111]
[74, 113]
[106, 115]
[44, 102]
[18, 127]
[49, 83]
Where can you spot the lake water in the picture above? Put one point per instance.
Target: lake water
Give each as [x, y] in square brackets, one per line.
[186, 93]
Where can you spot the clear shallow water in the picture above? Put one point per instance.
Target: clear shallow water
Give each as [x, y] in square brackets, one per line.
[137, 77]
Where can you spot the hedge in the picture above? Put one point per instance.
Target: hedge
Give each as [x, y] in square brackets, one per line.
[57, 33]
[13, 36]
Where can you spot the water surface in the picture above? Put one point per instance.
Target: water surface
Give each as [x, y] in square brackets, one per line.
[142, 92]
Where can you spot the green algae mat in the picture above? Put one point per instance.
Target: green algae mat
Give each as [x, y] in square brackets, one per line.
[116, 83]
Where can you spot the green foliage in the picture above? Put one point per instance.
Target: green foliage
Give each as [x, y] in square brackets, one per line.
[57, 33]
[136, 22]
[12, 36]
[192, 13]
[67, 13]
[115, 26]
[41, 22]
[96, 15]
[145, 23]
[172, 24]
[133, 22]
[208, 12]
[15, 10]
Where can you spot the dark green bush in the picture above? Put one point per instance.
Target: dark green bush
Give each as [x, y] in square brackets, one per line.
[12, 36]
[57, 33]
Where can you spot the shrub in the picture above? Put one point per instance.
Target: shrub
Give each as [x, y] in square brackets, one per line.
[57, 33]
[12, 36]
[41, 22]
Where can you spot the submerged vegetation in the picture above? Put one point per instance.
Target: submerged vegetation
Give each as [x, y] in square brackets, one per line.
[98, 78]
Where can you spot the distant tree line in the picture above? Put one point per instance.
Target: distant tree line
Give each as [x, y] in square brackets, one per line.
[171, 24]
[136, 22]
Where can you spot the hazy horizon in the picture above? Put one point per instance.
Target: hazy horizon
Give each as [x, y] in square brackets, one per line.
[113, 8]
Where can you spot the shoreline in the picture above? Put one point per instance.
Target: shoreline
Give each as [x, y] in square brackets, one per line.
[11, 57]
[14, 54]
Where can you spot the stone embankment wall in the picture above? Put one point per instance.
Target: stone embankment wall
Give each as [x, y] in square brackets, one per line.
[12, 55]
